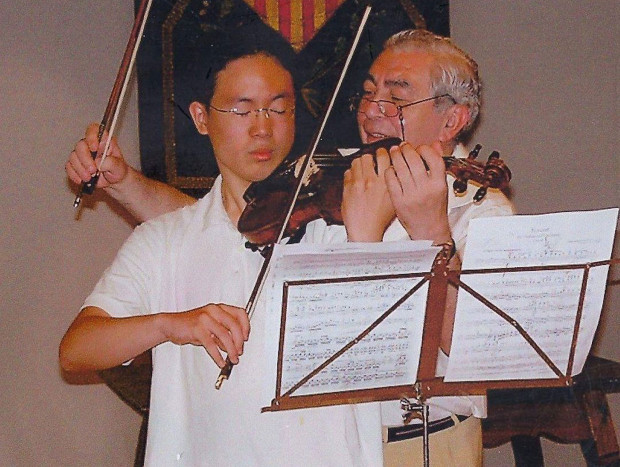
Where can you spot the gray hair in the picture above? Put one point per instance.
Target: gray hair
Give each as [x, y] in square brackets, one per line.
[455, 73]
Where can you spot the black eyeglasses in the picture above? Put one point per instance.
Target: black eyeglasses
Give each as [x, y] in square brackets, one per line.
[360, 104]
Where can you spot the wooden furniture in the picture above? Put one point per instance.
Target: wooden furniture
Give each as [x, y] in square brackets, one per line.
[520, 416]
[579, 414]
[132, 384]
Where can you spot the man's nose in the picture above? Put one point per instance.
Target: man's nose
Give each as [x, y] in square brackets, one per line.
[372, 109]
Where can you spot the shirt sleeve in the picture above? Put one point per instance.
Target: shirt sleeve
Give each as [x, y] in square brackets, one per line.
[128, 286]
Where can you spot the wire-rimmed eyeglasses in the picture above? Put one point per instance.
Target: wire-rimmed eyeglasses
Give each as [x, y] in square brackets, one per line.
[273, 111]
[359, 104]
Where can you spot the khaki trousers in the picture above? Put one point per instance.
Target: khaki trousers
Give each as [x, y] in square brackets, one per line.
[460, 445]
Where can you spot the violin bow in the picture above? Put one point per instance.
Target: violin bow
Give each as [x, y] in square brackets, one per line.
[110, 116]
[262, 275]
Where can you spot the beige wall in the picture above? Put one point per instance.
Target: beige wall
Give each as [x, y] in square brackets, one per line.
[550, 72]
[551, 100]
[59, 60]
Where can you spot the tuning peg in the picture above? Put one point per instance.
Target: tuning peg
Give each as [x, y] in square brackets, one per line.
[474, 152]
[459, 186]
[481, 193]
[494, 155]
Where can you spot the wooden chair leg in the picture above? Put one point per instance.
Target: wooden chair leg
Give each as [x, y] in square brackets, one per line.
[141, 446]
[527, 451]
[605, 445]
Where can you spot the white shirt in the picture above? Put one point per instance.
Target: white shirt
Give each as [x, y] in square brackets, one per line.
[195, 256]
[187, 259]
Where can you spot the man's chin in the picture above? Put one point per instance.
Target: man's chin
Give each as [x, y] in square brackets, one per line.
[267, 170]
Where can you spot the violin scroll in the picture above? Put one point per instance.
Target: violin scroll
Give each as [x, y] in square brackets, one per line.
[494, 174]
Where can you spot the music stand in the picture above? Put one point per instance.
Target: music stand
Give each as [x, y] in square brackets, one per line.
[427, 384]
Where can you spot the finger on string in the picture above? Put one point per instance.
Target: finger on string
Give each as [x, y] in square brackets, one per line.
[382, 161]
[356, 169]
[399, 164]
[348, 177]
[418, 167]
[367, 164]
[434, 160]
[392, 181]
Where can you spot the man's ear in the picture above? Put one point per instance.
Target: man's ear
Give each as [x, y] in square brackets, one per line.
[200, 117]
[456, 117]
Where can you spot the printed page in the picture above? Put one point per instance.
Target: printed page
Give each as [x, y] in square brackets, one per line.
[321, 318]
[544, 303]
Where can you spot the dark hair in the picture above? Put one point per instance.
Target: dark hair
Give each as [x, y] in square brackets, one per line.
[210, 57]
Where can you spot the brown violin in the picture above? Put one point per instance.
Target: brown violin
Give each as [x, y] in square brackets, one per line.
[321, 193]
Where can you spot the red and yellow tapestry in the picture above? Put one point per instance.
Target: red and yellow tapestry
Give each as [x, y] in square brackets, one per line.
[296, 20]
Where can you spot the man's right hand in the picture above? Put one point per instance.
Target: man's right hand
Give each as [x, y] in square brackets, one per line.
[96, 341]
[81, 166]
[214, 326]
[367, 209]
[144, 198]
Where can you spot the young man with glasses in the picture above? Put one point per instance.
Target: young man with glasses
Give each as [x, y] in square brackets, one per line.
[421, 88]
[179, 286]
[426, 91]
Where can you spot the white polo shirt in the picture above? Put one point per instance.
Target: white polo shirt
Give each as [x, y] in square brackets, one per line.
[187, 259]
[193, 257]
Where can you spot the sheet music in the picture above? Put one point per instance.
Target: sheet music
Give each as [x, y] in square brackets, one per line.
[544, 303]
[321, 318]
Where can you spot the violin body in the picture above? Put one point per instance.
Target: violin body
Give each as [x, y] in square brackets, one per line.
[320, 196]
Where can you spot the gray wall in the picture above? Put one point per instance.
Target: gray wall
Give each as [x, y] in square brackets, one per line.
[550, 73]
[59, 59]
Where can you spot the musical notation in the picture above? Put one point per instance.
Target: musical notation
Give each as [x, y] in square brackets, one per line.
[323, 314]
[543, 302]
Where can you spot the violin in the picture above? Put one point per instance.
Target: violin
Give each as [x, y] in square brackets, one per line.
[321, 194]
[310, 188]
